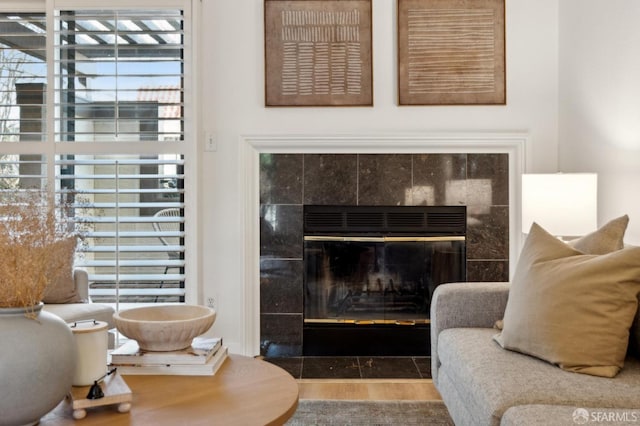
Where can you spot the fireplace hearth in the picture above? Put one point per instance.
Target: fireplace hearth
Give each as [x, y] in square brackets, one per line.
[370, 273]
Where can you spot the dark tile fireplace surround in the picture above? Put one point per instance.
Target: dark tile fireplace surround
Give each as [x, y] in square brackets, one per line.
[289, 181]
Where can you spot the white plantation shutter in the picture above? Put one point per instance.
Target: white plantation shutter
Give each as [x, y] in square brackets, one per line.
[119, 75]
[21, 172]
[23, 76]
[130, 252]
[101, 94]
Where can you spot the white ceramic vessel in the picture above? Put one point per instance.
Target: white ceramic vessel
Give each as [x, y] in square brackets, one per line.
[37, 359]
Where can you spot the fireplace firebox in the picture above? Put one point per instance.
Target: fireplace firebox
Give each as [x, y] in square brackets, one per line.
[370, 273]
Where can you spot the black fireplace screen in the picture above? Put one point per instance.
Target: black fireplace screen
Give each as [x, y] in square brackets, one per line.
[379, 265]
[378, 279]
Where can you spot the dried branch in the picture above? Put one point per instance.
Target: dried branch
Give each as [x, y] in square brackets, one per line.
[31, 229]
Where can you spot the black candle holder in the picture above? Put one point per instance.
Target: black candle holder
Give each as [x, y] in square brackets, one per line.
[95, 391]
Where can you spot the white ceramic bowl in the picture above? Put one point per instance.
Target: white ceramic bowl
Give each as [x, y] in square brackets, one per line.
[165, 328]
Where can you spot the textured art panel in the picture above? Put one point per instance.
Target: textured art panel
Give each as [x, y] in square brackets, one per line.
[451, 52]
[318, 53]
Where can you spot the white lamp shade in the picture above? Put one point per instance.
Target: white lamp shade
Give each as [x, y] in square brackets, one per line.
[565, 204]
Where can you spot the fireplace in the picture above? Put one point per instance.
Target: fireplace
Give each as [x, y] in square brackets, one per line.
[370, 273]
[482, 179]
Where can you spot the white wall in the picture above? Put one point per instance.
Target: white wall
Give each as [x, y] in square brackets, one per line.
[600, 102]
[232, 60]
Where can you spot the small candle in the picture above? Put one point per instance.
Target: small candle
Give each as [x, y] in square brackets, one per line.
[91, 350]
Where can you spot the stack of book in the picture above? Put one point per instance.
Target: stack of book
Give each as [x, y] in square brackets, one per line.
[203, 358]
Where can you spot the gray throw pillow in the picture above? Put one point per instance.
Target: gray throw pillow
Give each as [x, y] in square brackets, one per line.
[61, 287]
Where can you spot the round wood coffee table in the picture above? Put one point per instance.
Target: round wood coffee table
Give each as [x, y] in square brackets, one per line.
[245, 391]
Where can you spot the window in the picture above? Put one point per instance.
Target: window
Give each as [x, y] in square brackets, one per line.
[23, 75]
[107, 101]
[119, 75]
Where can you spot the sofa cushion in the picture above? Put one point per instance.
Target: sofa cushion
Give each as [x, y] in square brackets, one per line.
[571, 309]
[558, 415]
[609, 237]
[489, 380]
[61, 287]
[71, 312]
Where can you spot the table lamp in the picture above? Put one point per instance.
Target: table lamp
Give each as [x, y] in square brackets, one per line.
[564, 204]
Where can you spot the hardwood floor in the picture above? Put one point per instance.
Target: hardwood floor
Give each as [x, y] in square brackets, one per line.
[368, 389]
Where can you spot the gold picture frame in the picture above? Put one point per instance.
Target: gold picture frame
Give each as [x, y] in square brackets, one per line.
[318, 53]
[451, 52]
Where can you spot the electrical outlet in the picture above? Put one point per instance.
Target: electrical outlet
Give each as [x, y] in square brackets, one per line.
[211, 302]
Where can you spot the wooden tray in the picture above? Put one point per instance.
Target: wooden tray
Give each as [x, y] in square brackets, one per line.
[115, 391]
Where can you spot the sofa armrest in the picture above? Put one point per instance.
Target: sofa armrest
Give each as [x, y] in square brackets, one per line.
[81, 279]
[468, 304]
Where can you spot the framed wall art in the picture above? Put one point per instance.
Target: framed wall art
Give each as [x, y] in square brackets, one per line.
[318, 53]
[451, 52]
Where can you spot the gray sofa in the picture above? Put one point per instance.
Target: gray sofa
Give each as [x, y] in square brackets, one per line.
[71, 312]
[483, 384]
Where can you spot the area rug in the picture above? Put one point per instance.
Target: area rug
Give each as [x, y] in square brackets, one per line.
[369, 413]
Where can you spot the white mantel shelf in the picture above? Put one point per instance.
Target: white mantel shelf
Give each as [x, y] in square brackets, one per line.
[439, 143]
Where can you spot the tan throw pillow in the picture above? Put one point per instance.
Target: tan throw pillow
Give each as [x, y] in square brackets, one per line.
[61, 287]
[609, 237]
[572, 309]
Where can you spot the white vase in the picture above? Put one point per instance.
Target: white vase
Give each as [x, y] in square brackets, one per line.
[37, 359]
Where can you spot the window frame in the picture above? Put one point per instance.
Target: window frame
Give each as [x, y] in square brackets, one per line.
[187, 147]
